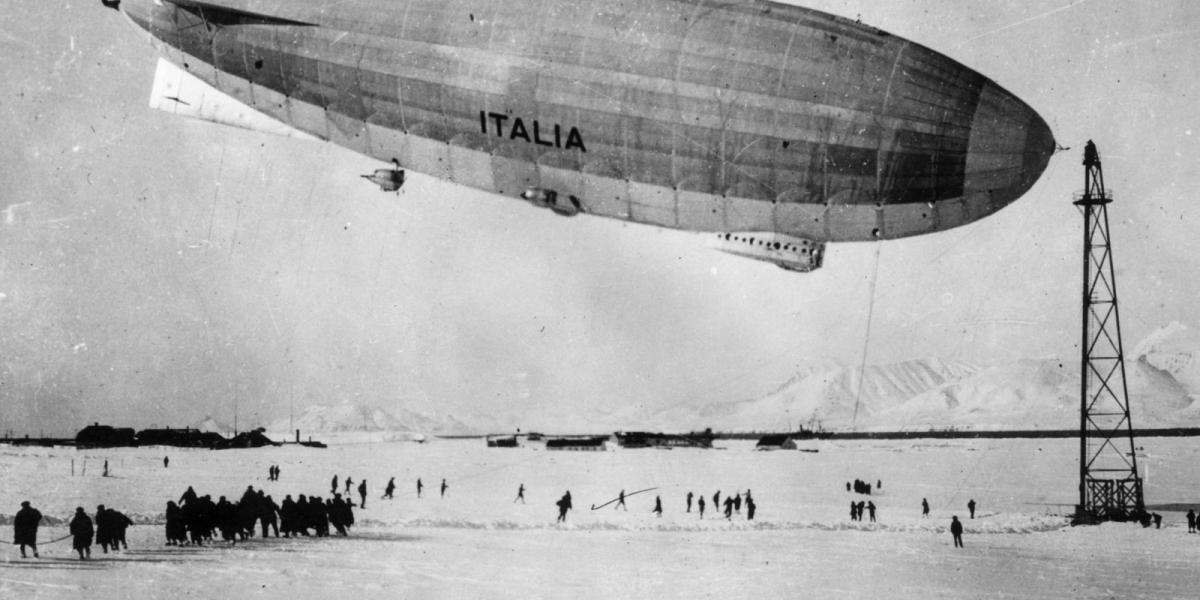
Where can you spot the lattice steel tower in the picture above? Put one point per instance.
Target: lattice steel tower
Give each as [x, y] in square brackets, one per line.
[1109, 486]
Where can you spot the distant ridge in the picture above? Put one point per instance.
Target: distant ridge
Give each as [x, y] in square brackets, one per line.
[359, 418]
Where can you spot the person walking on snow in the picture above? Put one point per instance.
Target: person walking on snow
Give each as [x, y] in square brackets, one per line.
[444, 486]
[520, 494]
[657, 506]
[1191, 517]
[956, 531]
[924, 508]
[25, 526]
[971, 507]
[620, 501]
[689, 502]
[391, 487]
[362, 493]
[419, 486]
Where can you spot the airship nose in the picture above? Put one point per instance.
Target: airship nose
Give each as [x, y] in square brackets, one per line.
[1009, 148]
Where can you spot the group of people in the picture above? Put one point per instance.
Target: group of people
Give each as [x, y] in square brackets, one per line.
[863, 487]
[856, 510]
[733, 504]
[273, 473]
[197, 519]
[108, 530]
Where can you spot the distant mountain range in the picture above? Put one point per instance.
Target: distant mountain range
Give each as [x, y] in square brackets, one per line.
[352, 417]
[1163, 373]
[1163, 378]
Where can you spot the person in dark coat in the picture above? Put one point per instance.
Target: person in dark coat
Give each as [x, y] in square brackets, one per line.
[520, 494]
[956, 531]
[176, 530]
[620, 501]
[25, 526]
[104, 529]
[871, 511]
[349, 482]
[751, 507]
[120, 522]
[924, 508]
[81, 529]
[657, 506]
[419, 486]
[1191, 517]
[391, 487]
[444, 486]
[971, 507]
[564, 504]
[362, 493]
[728, 507]
[689, 502]
[700, 505]
[853, 511]
[333, 485]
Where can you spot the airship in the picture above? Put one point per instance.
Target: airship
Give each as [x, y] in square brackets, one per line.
[772, 129]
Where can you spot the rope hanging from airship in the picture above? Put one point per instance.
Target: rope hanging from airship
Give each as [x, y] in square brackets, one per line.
[862, 366]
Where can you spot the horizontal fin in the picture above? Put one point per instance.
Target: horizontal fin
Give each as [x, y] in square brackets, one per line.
[180, 93]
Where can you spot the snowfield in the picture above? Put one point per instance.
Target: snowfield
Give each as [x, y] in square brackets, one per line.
[477, 543]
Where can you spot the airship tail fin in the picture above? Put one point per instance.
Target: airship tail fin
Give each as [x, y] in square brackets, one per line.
[180, 93]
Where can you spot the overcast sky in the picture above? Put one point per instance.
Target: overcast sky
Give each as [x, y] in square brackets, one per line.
[154, 269]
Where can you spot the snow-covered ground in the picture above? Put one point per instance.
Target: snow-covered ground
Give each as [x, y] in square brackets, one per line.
[477, 543]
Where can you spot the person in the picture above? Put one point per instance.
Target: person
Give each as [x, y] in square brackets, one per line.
[82, 531]
[689, 502]
[104, 529]
[362, 493]
[956, 531]
[879, 484]
[1191, 517]
[419, 486]
[728, 508]
[333, 486]
[751, 507]
[847, 486]
[520, 493]
[1157, 520]
[176, 530]
[391, 487]
[971, 507]
[700, 504]
[717, 500]
[564, 504]
[657, 506]
[871, 511]
[25, 526]
[119, 522]
[444, 486]
[106, 467]
[620, 501]
[924, 508]
[737, 503]
[166, 461]
[349, 482]
[853, 511]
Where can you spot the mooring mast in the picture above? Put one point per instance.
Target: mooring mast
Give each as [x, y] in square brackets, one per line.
[1109, 486]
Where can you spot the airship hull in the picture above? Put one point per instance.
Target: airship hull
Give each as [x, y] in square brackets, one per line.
[727, 116]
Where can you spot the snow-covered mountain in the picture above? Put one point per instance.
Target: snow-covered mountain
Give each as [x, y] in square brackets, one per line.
[1163, 378]
[353, 417]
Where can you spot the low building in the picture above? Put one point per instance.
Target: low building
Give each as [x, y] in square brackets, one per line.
[643, 439]
[105, 436]
[183, 438]
[775, 442]
[502, 441]
[584, 444]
